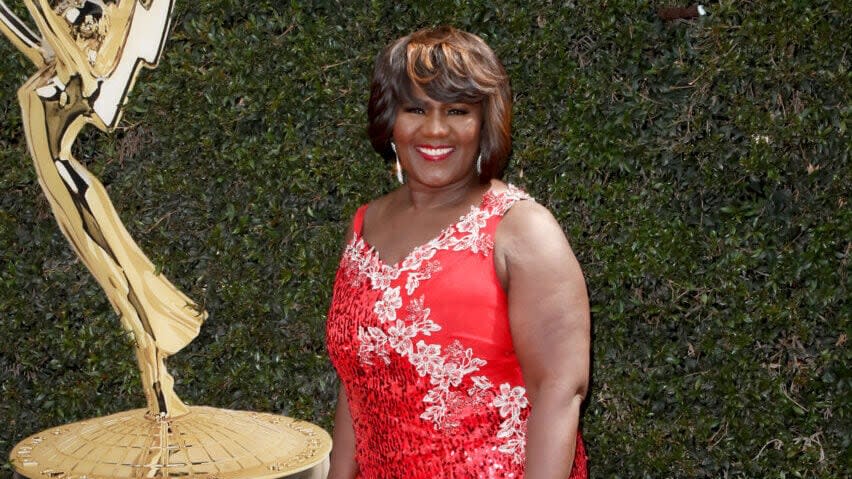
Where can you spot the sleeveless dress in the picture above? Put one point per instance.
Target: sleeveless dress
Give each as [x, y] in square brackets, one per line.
[424, 352]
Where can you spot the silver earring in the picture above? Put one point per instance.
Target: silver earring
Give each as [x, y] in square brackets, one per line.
[479, 164]
[398, 166]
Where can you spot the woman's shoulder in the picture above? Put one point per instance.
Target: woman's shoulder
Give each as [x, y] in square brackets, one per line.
[383, 201]
[530, 238]
[377, 207]
[527, 223]
[529, 217]
[356, 222]
[512, 201]
[508, 192]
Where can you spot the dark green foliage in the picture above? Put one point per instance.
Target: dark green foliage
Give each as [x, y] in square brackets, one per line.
[701, 170]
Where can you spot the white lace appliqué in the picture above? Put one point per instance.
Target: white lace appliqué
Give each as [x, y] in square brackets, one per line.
[510, 401]
[375, 341]
[358, 257]
[415, 277]
[386, 307]
[474, 239]
[446, 375]
[447, 369]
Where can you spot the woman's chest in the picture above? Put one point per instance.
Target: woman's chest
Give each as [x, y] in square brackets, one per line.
[448, 310]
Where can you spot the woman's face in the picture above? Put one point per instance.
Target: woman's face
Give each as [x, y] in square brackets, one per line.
[437, 143]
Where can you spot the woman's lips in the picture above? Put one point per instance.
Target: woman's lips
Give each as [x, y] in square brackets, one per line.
[435, 153]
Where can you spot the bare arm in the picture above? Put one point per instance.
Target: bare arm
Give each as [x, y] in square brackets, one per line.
[343, 464]
[549, 316]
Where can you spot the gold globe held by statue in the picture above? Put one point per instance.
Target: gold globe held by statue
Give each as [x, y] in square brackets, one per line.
[88, 57]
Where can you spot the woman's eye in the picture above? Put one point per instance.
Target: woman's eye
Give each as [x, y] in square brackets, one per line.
[457, 111]
[415, 109]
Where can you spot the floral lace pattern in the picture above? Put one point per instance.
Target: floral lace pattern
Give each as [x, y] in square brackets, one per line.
[364, 259]
[446, 369]
[369, 266]
[510, 402]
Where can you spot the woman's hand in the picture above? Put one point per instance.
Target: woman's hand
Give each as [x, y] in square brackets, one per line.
[549, 318]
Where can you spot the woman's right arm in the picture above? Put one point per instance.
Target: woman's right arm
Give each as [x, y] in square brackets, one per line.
[343, 465]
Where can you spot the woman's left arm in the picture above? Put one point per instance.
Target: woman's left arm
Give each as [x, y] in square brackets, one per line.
[549, 317]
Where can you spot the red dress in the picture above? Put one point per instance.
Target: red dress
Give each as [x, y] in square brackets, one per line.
[424, 351]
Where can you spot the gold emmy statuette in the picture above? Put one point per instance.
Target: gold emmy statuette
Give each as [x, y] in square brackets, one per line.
[88, 56]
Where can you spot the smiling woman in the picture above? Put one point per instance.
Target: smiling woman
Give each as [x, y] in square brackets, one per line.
[434, 141]
[459, 324]
[446, 66]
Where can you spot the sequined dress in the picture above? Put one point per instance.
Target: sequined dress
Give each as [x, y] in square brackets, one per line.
[424, 351]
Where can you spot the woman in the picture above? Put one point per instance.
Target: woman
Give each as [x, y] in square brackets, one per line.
[459, 324]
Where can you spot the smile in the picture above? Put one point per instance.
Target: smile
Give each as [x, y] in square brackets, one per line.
[435, 153]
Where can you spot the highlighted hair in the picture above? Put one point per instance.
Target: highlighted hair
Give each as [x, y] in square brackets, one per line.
[450, 66]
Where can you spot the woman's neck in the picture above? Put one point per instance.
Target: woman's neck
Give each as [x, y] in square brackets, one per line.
[419, 197]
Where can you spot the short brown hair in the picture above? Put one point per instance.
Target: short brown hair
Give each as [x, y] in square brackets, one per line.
[450, 66]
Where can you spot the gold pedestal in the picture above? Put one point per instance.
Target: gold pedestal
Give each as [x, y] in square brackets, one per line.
[206, 443]
[88, 55]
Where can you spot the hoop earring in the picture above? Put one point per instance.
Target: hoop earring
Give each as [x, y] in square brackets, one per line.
[479, 164]
[398, 165]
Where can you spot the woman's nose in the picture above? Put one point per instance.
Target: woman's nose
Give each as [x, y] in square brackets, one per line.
[436, 124]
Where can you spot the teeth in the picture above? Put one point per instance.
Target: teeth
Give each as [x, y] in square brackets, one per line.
[435, 151]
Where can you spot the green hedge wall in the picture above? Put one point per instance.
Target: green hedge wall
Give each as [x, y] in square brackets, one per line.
[700, 168]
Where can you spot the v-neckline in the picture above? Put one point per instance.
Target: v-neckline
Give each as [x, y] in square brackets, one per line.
[372, 251]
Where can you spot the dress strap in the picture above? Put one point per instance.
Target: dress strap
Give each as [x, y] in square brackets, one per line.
[497, 205]
[500, 203]
[358, 221]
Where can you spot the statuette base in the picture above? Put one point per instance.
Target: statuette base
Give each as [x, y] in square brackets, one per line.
[206, 443]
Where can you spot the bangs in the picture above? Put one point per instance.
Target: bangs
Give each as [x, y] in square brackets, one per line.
[440, 89]
[445, 72]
